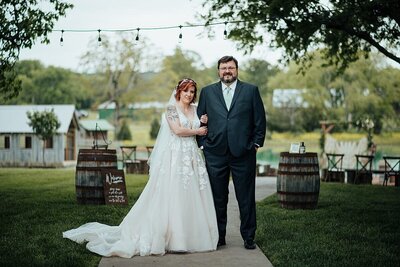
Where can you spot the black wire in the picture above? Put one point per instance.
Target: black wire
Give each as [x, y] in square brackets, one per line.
[152, 28]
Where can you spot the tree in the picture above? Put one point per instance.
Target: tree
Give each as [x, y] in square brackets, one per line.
[21, 23]
[44, 124]
[51, 85]
[181, 64]
[120, 64]
[259, 72]
[155, 127]
[124, 133]
[343, 27]
[366, 87]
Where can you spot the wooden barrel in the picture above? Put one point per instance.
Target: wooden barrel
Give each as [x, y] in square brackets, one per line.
[88, 178]
[298, 180]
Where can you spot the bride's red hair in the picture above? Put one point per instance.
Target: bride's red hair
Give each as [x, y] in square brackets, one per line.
[184, 85]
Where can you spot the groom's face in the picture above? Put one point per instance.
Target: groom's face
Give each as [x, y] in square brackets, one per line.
[228, 72]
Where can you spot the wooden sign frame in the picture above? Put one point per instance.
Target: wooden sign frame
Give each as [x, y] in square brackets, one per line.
[294, 148]
[114, 187]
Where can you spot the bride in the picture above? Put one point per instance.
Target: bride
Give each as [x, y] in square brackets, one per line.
[175, 212]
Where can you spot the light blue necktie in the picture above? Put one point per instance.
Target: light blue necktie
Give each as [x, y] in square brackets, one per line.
[228, 97]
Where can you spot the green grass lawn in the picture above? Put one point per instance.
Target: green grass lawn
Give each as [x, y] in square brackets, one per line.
[353, 225]
[37, 205]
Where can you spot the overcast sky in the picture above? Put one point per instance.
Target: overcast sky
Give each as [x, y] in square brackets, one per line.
[131, 14]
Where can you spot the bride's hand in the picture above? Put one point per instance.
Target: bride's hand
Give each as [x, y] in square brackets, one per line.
[204, 119]
[202, 130]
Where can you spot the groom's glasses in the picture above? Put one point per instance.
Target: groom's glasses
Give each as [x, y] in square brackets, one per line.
[227, 68]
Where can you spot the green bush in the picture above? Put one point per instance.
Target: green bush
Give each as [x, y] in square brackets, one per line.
[124, 133]
[155, 127]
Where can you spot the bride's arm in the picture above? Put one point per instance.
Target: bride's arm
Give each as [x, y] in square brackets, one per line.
[175, 125]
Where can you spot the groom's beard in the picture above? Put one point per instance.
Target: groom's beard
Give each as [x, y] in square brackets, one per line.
[228, 78]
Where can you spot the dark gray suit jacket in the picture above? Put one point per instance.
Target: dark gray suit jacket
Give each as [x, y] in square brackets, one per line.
[238, 129]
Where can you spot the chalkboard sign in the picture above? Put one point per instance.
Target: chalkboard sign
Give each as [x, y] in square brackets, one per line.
[114, 187]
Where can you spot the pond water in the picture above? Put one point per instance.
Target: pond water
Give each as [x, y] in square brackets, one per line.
[270, 157]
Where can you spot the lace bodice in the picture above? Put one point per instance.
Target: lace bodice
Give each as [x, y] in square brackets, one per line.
[186, 122]
[190, 159]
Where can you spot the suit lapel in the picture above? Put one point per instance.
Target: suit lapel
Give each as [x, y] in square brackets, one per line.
[219, 95]
[238, 89]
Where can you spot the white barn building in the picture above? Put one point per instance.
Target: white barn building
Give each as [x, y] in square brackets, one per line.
[19, 145]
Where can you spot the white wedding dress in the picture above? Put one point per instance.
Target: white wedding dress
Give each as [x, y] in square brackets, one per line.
[174, 213]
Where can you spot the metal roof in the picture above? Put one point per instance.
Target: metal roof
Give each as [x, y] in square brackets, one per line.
[107, 105]
[13, 118]
[90, 125]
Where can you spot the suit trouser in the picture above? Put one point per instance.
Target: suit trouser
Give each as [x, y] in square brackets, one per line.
[243, 171]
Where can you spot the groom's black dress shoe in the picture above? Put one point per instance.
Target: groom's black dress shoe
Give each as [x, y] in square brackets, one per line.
[249, 244]
[221, 242]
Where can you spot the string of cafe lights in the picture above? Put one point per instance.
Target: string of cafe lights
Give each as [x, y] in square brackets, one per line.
[141, 29]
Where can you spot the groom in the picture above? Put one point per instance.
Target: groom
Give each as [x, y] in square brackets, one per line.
[236, 129]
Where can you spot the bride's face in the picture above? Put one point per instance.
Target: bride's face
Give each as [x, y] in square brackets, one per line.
[187, 95]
